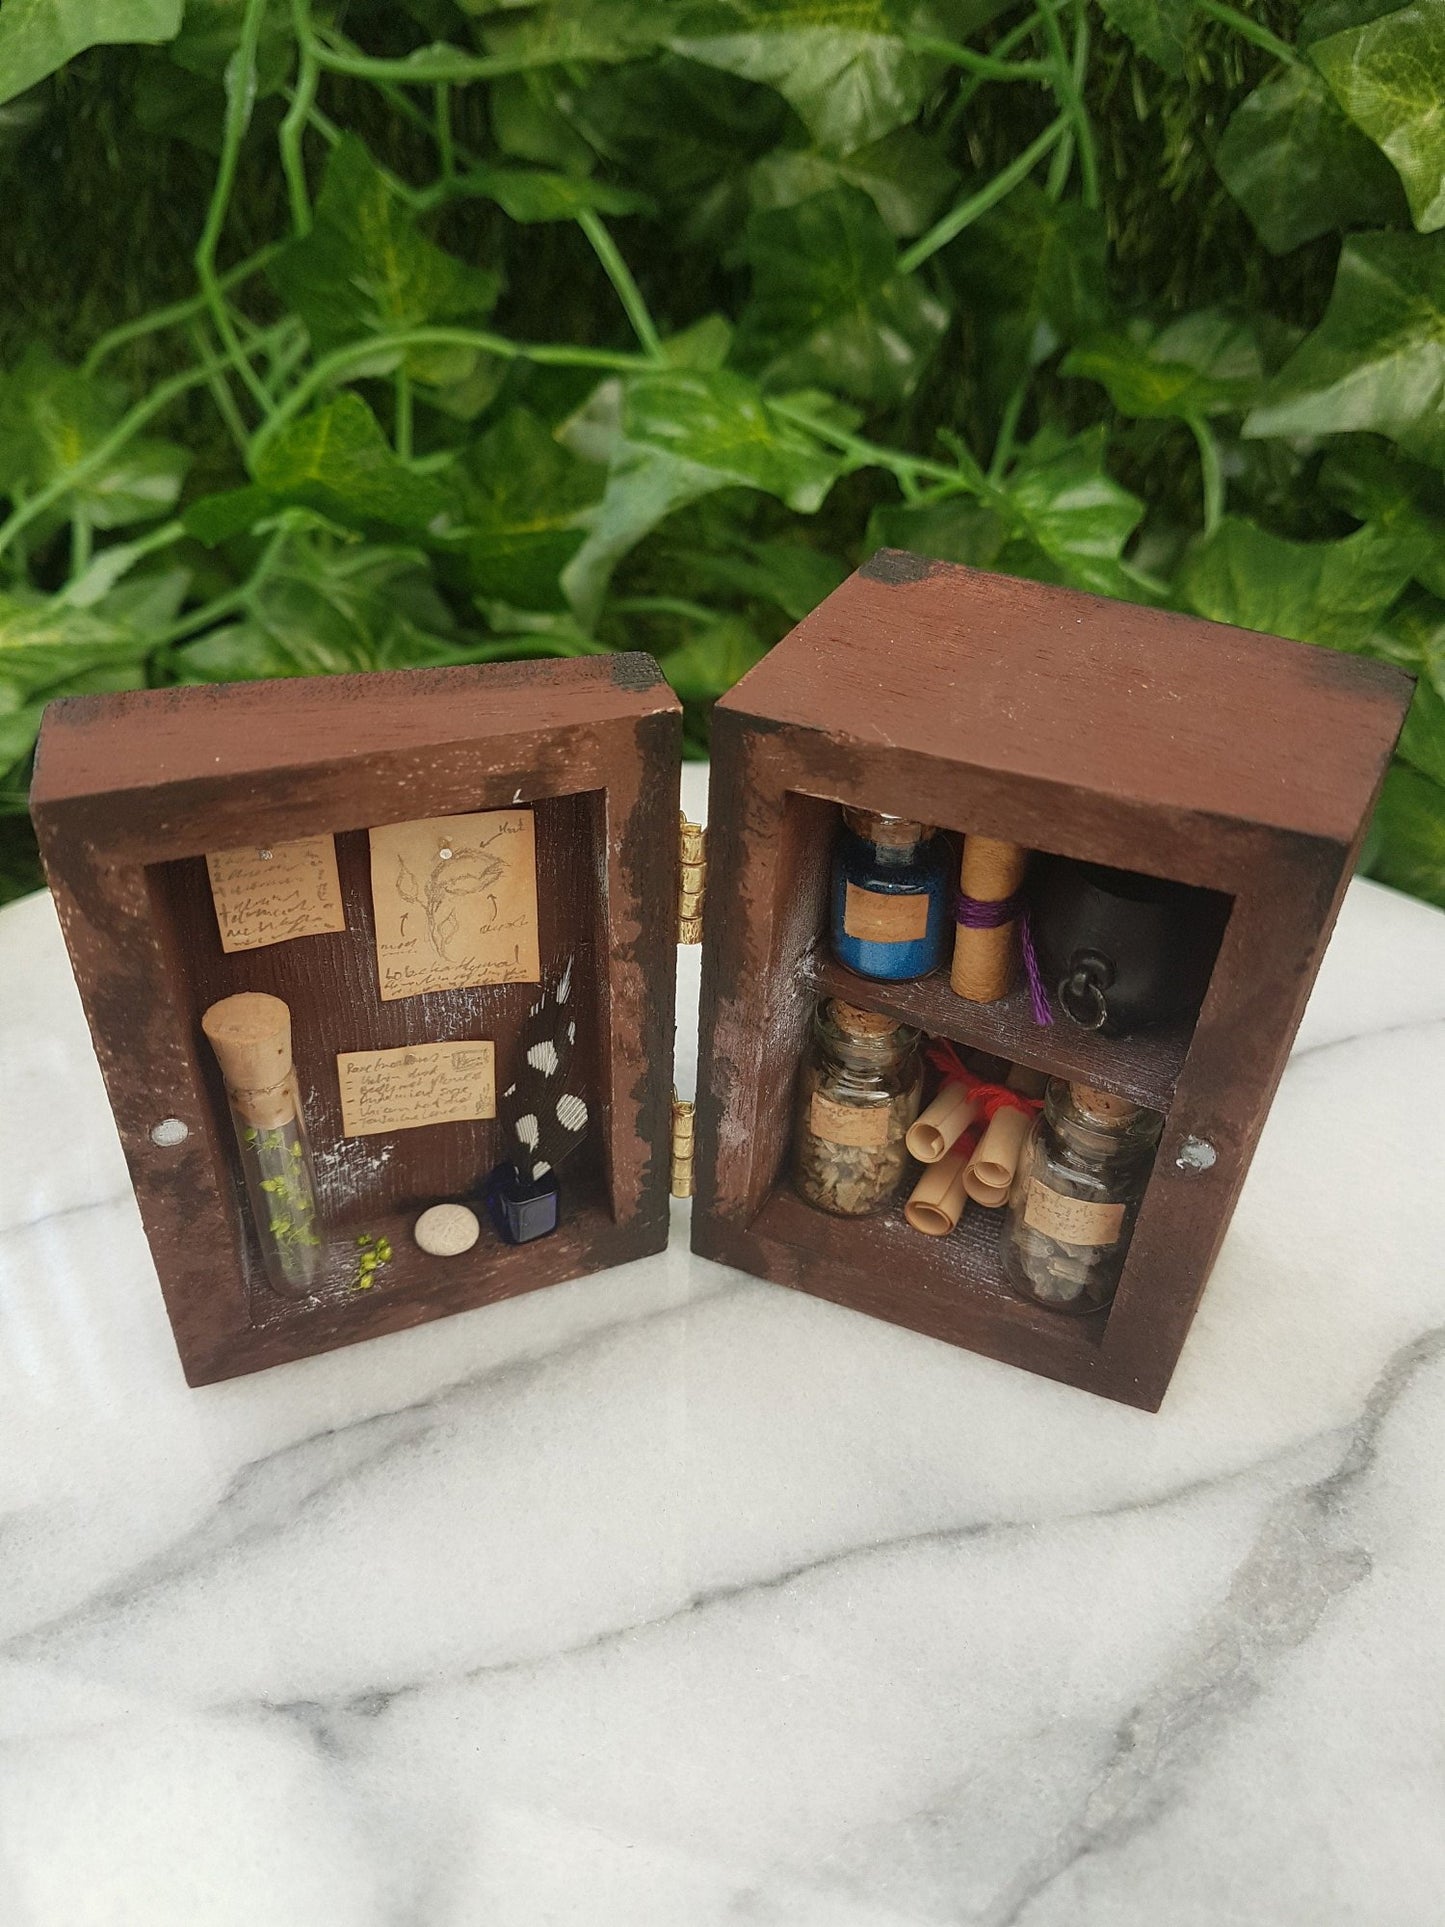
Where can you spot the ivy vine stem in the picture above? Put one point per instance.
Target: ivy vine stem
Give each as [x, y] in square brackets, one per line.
[1210, 470]
[359, 355]
[240, 99]
[620, 275]
[968, 211]
[105, 450]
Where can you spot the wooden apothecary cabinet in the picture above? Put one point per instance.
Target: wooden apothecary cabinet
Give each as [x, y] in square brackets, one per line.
[1238, 764]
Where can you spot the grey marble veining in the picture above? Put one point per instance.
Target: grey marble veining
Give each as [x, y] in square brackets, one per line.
[672, 1599]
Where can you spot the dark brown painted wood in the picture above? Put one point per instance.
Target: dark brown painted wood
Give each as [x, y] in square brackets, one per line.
[1236, 762]
[132, 790]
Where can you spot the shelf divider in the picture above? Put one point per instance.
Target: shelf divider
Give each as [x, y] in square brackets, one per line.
[1144, 1067]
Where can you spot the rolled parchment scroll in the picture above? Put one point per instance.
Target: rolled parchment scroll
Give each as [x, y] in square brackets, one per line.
[983, 959]
[991, 1169]
[937, 1200]
[936, 1130]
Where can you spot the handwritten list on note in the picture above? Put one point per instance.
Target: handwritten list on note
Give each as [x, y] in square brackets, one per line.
[397, 1090]
[269, 893]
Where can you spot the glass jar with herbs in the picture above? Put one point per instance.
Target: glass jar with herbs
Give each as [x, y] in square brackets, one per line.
[858, 1091]
[1075, 1197]
[892, 888]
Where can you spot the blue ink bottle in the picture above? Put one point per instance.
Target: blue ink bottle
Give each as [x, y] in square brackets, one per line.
[892, 884]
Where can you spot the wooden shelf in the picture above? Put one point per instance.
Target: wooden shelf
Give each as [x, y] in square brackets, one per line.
[1144, 1067]
[951, 1288]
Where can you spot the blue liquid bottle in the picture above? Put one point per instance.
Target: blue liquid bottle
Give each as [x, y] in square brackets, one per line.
[891, 895]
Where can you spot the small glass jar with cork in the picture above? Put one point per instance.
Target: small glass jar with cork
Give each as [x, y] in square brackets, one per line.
[858, 1092]
[1075, 1197]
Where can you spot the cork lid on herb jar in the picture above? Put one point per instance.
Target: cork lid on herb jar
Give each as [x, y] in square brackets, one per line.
[1103, 1107]
[887, 832]
[854, 1021]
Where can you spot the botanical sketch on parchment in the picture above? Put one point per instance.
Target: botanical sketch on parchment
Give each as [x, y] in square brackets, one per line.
[456, 903]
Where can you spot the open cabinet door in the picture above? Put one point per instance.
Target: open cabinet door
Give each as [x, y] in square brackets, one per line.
[133, 793]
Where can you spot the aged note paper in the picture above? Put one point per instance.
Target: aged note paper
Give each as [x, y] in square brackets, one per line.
[268, 893]
[456, 903]
[396, 1090]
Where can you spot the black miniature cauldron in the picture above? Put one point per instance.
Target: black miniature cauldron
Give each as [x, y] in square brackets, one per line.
[1118, 950]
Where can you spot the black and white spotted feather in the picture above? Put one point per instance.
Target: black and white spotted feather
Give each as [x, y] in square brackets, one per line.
[544, 1114]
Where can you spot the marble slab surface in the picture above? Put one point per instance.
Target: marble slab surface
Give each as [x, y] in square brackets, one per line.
[672, 1599]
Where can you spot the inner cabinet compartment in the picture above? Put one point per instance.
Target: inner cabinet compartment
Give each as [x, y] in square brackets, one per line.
[1141, 1066]
[1231, 771]
[373, 1185]
[358, 900]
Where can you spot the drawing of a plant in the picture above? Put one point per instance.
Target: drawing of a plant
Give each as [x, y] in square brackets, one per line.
[468, 872]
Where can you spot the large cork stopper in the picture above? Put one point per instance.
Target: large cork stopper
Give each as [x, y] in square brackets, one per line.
[983, 960]
[251, 1036]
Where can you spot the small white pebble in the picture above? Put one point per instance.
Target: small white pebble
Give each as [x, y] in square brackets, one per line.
[446, 1230]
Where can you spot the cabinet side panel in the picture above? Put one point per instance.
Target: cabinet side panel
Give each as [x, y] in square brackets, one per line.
[1267, 964]
[767, 877]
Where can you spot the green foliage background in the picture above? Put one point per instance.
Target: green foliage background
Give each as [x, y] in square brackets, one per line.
[356, 336]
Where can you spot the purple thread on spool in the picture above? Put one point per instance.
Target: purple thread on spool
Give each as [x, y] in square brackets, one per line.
[973, 913]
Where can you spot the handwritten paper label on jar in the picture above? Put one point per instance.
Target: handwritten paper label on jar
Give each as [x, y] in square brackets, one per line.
[1072, 1221]
[873, 917]
[456, 903]
[864, 1126]
[398, 1090]
[271, 892]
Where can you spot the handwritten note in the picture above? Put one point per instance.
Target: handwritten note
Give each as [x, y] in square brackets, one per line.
[269, 893]
[456, 903]
[397, 1090]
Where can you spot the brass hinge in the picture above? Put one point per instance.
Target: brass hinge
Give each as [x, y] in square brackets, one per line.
[692, 881]
[682, 1123]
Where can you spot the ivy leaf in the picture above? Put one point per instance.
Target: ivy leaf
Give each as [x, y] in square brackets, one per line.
[718, 424]
[1070, 518]
[1377, 359]
[683, 435]
[1059, 517]
[337, 461]
[569, 32]
[529, 194]
[1413, 635]
[1372, 481]
[44, 643]
[526, 503]
[1299, 169]
[709, 663]
[1207, 363]
[1158, 28]
[792, 576]
[366, 269]
[1422, 740]
[325, 611]
[828, 303]
[1408, 836]
[686, 133]
[904, 175]
[38, 36]
[958, 529]
[1032, 275]
[847, 72]
[52, 418]
[1389, 77]
[1335, 593]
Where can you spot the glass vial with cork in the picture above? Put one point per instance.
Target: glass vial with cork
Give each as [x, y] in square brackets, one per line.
[891, 891]
[858, 1092]
[251, 1036]
[1075, 1197]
